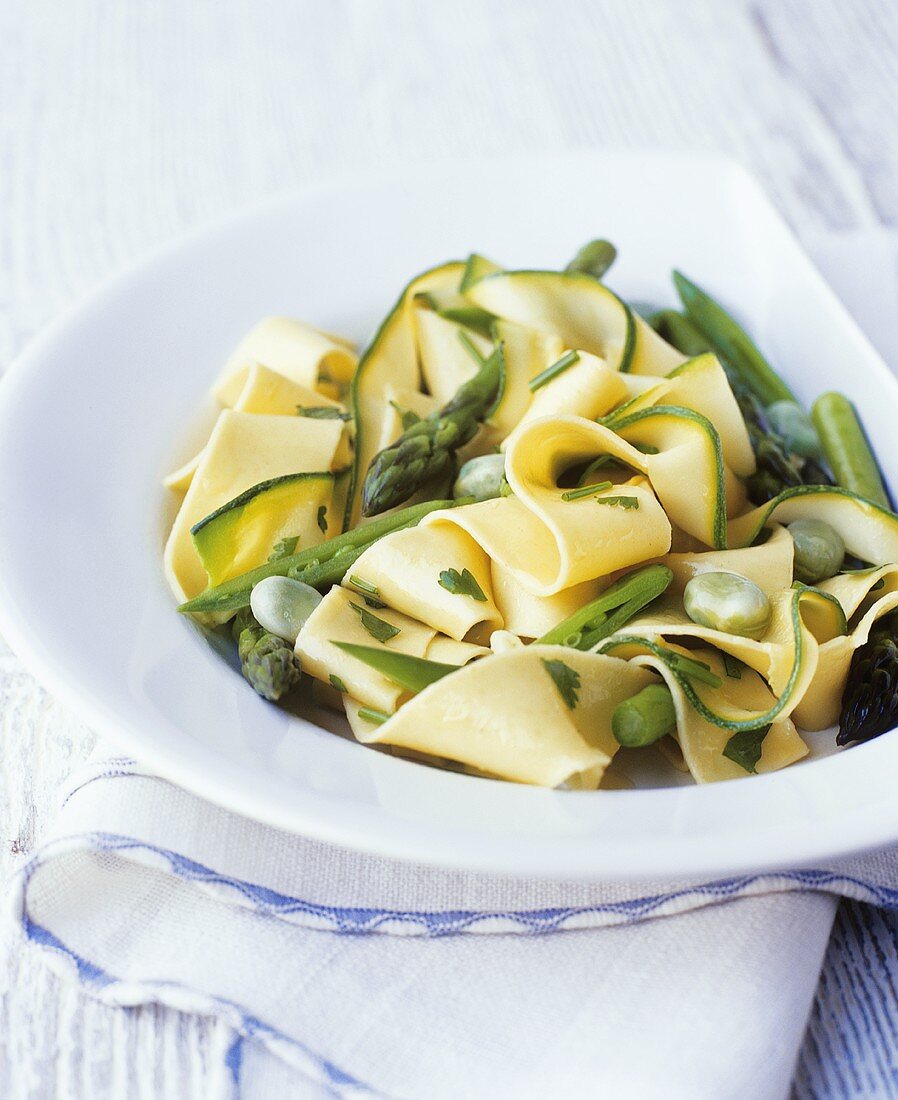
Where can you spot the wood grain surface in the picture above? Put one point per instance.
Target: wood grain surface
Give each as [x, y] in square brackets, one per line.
[123, 124]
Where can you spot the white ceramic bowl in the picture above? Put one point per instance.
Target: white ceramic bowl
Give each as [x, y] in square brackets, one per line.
[100, 407]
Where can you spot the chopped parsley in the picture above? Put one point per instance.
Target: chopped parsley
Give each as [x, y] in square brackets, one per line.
[744, 748]
[630, 504]
[379, 629]
[462, 584]
[566, 679]
[284, 548]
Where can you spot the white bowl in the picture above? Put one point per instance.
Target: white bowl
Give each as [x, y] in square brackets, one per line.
[100, 407]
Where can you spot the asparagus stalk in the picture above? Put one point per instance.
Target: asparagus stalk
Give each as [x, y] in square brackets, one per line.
[593, 259]
[870, 699]
[425, 450]
[610, 611]
[316, 566]
[266, 660]
[645, 717]
[846, 448]
[730, 340]
[679, 331]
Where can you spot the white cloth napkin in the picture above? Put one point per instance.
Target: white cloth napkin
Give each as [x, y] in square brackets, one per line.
[346, 975]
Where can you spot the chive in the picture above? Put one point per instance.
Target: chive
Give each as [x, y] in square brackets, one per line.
[364, 586]
[376, 717]
[337, 683]
[596, 464]
[586, 490]
[696, 670]
[468, 344]
[540, 380]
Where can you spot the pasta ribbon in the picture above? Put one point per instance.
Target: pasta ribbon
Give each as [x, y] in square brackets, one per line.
[244, 450]
[507, 716]
[864, 597]
[341, 617]
[703, 743]
[298, 351]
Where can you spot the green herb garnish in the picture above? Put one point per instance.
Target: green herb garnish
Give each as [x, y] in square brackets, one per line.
[470, 347]
[412, 673]
[406, 416]
[283, 548]
[322, 518]
[733, 666]
[744, 748]
[559, 367]
[566, 679]
[585, 490]
[322, 412]
[376, 717]
[364, 586]
[462, 584]
[630, 504]
[376, 627]
[337, 683]
[696, 670]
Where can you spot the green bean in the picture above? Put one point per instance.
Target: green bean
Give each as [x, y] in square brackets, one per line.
[819, 550]
[645, 717]
[593, 259]
[679, 331]
[730, 340]
[608, 612]
[727, 602]
[846, 448]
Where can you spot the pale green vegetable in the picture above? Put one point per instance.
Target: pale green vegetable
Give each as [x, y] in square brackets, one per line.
[645, 717]
[727, 602]
[282, 605]
[819, 550]
[789, 420]
[480, 478]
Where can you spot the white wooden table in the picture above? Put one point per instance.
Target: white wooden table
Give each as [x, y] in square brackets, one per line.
[122, 124]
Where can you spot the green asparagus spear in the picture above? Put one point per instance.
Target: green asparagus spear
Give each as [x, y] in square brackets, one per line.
[645, 717]
[266, 660]
[426, 449]
[679, 331]
[316, 566]
[846, 448]
[870, 700]
[610, 611]
[732, 342]
[593, 259]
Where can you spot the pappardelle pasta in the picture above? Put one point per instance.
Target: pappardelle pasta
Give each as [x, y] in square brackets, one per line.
[532, 525]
